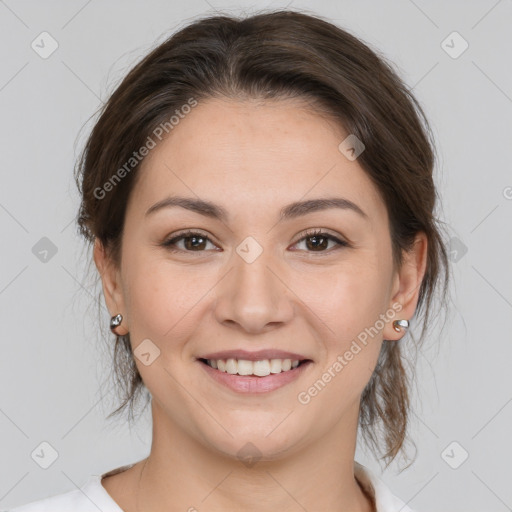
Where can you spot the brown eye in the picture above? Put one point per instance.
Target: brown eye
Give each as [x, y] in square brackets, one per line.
[192, 242]
[318, 241]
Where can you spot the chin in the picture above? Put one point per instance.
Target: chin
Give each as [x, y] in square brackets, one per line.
[255, 445]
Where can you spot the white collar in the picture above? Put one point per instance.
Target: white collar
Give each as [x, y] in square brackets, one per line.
[385, 500]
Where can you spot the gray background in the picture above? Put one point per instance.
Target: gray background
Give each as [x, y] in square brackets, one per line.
[54, 366]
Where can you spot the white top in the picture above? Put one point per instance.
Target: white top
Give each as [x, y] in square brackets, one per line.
[92, 496]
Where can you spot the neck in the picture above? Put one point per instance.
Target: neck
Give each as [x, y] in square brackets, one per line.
[182, 473]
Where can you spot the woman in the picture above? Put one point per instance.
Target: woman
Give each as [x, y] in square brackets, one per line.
[260, 198]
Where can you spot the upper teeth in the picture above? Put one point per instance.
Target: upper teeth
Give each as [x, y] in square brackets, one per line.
[259, 368]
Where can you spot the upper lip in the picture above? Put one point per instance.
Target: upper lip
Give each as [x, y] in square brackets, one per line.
[254, 356]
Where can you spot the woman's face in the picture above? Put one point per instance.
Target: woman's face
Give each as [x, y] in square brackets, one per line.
[255, 280]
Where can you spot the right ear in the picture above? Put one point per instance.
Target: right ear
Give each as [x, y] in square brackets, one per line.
[111, 282]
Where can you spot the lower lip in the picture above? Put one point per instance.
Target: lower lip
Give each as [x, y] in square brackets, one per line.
[253, 384]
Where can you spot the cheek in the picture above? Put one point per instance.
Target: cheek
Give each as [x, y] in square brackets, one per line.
[351, 307]
[352, 300]
[164, 307]
[163, 300]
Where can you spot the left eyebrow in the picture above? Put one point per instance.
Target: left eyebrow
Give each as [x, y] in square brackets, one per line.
[300, 208]
[290, 211]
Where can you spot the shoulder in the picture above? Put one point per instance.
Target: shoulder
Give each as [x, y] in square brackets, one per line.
[73, 500]
[90, 497]
[385, 500]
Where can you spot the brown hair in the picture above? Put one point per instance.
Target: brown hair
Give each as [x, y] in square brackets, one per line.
[280, 54]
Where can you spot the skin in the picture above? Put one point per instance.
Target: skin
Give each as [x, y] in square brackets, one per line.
[253, 158]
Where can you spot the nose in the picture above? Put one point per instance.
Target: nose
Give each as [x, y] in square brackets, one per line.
[254, 296]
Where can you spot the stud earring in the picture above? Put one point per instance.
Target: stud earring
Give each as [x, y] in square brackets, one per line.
[115, 322]
[398, 325]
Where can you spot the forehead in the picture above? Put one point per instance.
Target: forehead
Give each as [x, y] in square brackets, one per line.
[253, 155]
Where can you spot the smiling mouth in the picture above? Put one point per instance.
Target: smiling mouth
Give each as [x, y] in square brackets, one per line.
[261, 368]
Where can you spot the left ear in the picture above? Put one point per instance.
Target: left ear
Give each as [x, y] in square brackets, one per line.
[406, 285]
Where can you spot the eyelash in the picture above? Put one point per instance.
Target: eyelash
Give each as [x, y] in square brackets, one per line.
[309, 234]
